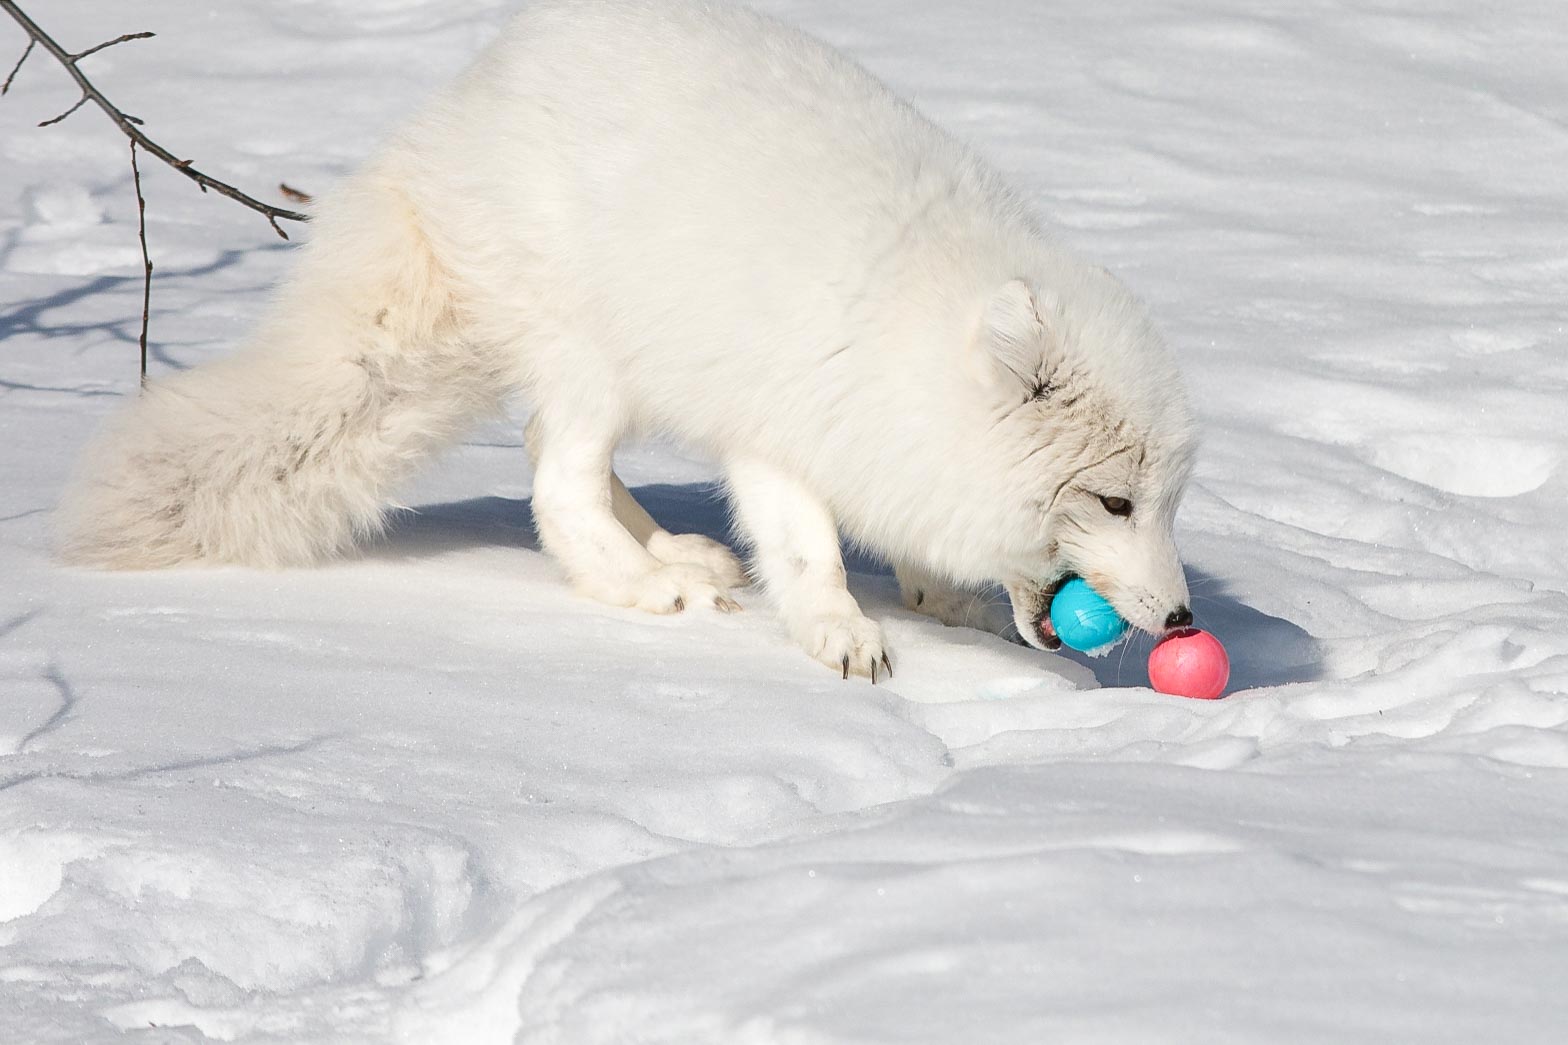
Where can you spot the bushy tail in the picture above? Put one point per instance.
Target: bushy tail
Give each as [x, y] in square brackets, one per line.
[287, 452]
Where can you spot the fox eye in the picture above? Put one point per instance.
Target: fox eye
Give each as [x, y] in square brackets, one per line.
[1117, 505]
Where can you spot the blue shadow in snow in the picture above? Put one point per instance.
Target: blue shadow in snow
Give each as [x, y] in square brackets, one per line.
[509, 522]
[1264, 650]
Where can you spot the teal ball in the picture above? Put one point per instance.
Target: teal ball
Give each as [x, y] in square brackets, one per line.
[1083, 619]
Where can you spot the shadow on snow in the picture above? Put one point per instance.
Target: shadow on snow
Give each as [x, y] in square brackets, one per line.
[1264, 650]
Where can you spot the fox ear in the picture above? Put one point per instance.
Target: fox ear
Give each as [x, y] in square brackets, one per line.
[1010, 349]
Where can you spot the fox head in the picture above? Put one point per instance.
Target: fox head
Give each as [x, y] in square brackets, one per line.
[1099, 443]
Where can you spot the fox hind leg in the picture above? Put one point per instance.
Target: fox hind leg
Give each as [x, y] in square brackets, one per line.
[672, 549]
[574, 512]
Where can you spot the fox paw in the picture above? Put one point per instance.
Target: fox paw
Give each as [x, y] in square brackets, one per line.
[674, 587]
[850, 645]
[696, 550]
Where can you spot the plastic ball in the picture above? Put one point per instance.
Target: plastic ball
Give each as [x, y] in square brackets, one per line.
[1083, 619]
[1189, 663]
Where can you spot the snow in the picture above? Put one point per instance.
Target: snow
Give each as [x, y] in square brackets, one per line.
[428, 795]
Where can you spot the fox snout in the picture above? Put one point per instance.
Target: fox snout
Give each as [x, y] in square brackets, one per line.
[1153, 609]
[1142, 577]
[1138, 605]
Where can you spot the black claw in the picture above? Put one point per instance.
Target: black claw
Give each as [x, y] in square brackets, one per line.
[680, 603]
[846, 669]
[887, 665]
[873, 673]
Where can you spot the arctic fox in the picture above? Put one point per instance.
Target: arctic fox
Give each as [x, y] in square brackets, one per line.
[685, 219]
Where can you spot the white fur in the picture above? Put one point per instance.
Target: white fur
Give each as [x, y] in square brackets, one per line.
[683, 218]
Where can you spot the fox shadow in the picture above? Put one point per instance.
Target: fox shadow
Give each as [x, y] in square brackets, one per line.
[434, 529]
[1265, 650]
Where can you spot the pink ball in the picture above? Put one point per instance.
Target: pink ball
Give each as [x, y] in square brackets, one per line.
[1189, 663]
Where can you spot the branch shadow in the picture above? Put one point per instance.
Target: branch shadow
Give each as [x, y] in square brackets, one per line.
[30, 317]
[54, 771]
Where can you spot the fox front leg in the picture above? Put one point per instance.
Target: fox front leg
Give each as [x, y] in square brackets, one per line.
[798, 560]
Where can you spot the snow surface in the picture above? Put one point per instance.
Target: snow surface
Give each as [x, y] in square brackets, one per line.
[429, 795]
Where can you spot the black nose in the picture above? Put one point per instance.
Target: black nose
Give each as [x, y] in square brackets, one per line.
[1180, 617]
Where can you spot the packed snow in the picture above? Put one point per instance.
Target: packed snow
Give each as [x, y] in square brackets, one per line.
[430, 795]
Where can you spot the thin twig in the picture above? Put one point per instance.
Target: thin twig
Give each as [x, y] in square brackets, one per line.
[129, 124]
[95, 48]
[31, 43]
[79, 103]
[141, 230]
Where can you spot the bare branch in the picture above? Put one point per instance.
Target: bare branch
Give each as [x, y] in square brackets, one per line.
[141, 230]
[79, 55]
[129, 124]
[31, 43]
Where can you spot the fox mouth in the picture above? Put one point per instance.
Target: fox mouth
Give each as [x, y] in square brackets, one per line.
[1044, 629]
